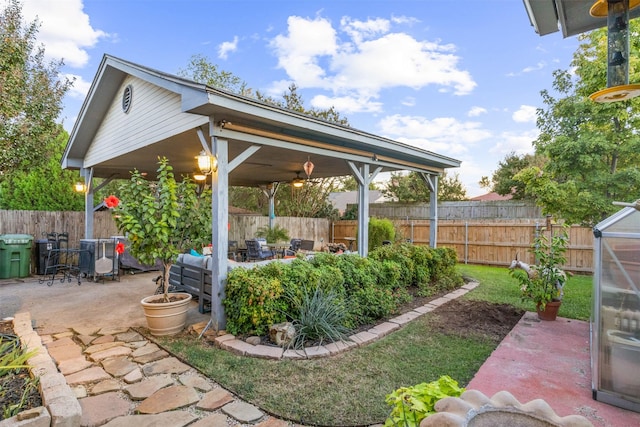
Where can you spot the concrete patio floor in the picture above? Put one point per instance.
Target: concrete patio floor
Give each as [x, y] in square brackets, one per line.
[557, 371]
[549, 361]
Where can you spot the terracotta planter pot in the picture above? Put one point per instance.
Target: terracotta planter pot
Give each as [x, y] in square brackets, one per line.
[550, 311]
[166, 318]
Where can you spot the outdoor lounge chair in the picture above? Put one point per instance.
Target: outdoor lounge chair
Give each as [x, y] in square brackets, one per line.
[256, 251]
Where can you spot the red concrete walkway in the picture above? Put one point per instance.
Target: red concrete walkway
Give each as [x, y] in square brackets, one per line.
[549, 361]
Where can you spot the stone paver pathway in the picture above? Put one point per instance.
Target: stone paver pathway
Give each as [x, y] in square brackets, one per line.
[122, 379]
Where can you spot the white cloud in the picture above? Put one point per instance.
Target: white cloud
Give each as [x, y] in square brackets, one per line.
[440, 135]
[476, 111]
[346, 104]
[361, 58]
[79, 88]
[539, 66]
[65, 29]
[225, 47]
[518, 142]
[525, 114]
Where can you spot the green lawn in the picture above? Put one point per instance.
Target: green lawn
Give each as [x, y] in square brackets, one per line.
[350, 389]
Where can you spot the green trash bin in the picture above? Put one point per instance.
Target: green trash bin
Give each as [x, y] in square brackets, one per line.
[15, 255]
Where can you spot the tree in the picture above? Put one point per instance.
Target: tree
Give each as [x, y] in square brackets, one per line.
[593, 149]
[162, 218]
[502, 181]
[411, 188]
[47, 187]
[312, 200]
[30, 95]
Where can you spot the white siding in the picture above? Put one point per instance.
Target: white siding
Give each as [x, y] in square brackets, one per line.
[155, 114]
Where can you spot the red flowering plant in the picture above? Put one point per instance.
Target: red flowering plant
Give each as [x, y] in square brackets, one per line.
[162, 218]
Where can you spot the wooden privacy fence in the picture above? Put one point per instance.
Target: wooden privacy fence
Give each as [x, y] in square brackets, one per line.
[39, 223]
[490, 242]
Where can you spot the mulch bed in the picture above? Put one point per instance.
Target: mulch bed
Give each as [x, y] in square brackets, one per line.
[12, 384]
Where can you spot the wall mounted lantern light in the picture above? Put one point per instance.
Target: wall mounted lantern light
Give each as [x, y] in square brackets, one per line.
[80, 187]
[206, 163]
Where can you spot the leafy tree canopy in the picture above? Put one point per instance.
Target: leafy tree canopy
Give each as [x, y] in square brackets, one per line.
[44, 188]
[30, 94]
[502, 181]
[593, 149]
[411, 188]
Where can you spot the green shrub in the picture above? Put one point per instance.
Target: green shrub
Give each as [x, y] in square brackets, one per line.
[320, 316]
[380, 229]
[253, 302]
[412, 404]
[371, 288]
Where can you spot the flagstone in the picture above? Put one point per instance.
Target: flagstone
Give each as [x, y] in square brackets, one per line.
[119, 366]
[104, 339]
[111, 352]
[243, 412]
[89, 375]
[214, 399]
[169, 365]
[133, 376]
[85, 339]
[106, 386]
[113, 330]
[130, 336]
[97, 410]
[168, 399]
[151, 357]
[137, 344]
[102, 346]
[63, 335]
[213, 420]
[167, 419]
[61, 342]
[147, 387]
[71, 366]
[195, 381]
[65, 352]
[147, 349]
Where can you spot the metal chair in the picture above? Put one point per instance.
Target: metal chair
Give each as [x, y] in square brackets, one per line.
[232, 253]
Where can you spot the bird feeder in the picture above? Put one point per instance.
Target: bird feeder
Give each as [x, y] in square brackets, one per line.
[617, 14]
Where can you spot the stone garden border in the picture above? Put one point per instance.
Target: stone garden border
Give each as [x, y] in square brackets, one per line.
[237, 346]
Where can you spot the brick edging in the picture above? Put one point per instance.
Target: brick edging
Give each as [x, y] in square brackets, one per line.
[230, 343]
[62, 406]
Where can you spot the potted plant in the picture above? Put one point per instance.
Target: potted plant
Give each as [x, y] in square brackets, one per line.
[543, 283]
[273, 234]
[162, 219]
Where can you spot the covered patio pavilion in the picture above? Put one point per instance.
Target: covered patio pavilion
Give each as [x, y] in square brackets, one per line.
[134, 114]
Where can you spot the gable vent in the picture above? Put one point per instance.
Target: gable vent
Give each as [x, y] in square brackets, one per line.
[127, 96]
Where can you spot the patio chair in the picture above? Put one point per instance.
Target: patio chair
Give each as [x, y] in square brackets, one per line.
[256, 251]
[295, 245]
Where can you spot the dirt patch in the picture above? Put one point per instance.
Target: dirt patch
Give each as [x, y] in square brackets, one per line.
[462, 317]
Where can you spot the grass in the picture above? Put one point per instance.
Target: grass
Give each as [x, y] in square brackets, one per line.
[350, 389]
[497, 286]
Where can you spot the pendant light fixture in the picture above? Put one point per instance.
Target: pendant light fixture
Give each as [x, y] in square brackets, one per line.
[308, 167]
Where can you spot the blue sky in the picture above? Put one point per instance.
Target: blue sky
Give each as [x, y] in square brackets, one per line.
[459, 78]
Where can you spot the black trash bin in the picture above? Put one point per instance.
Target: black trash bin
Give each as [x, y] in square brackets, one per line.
[43, 246]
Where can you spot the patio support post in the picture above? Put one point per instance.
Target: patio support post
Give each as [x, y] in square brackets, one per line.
[219, 232]
[363, 178]
[270, 192]
[432, 183]
[88, 202]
